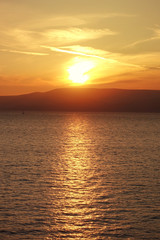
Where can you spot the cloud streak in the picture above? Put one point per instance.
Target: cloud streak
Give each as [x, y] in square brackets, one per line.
[54, 49]
[156, 36]
[23, 52]
[108, 57]
[69, 35]
[142, 41]
[15, 37]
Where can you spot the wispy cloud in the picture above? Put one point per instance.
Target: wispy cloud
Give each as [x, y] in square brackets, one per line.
[142, 41]
[23, 52]
[87, 50]
[56, 21]
[54, 49]
[55, 36]
[71, 35]
[156, 36]
[108, 15]
[109, 57]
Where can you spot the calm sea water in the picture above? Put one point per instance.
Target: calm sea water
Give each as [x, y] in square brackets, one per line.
[79, 176]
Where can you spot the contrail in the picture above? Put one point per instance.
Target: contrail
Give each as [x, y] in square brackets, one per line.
[73, 52]
[22, 52]
[90, 55]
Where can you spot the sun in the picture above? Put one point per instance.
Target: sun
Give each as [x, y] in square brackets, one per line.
[78, 73]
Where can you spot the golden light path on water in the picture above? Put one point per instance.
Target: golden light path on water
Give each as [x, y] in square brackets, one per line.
[80, 206]
[83, 176]
[77, 192]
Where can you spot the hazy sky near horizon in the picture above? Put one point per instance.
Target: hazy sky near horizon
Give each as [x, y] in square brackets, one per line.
[117, 41]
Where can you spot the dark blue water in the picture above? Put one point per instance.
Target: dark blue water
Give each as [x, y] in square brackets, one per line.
[79, 176]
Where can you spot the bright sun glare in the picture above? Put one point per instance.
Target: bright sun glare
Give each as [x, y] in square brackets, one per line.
[78, 71]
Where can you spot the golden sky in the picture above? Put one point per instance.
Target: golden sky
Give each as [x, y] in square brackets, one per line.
[47, 44]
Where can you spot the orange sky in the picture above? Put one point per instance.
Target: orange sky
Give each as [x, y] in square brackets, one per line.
[52, 44]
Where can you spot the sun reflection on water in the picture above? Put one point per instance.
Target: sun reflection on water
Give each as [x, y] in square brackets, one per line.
[78, 183]
[79, 176]
[84, 202]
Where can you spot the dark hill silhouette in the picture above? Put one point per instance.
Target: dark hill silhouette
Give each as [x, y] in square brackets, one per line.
[85, 99]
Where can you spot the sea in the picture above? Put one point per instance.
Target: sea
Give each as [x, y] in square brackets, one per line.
[79, 175]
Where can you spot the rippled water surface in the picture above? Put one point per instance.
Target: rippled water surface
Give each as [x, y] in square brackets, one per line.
[79, 176]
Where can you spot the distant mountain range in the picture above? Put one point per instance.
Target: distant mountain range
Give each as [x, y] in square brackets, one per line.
[85, 99]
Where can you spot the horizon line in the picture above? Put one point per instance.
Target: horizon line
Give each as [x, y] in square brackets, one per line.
[78, 87]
